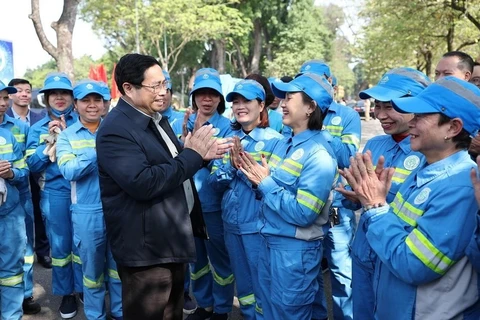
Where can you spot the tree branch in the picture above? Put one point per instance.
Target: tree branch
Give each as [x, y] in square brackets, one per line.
[455, 6]
[468, 43]
[37, 24]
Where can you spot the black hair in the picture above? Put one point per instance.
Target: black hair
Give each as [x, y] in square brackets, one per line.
[286, 79]
[16, 81]
[315, 121]
[221, 106]
[131, 68]
[465, 60]
[462, 140]
[476, 64]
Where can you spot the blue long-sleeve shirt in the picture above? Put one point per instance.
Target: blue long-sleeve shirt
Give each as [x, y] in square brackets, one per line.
[175, 119]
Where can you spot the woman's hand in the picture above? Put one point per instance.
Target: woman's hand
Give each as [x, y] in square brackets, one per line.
[476, 181]
[252, 169]
[235, 152]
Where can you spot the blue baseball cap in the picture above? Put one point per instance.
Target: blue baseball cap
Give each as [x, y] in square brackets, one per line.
[334, 81]
[85, 87]
[10, 90]
[451, 96]
[105, 91]
[397, 83]
[207, 78]
[313, 84]
[249, 89]
[315, 66]
[168, 79]
[57, 80]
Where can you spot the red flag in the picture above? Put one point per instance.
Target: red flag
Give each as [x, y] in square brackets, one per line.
[114, 90]
[101, 73]
[92, 74]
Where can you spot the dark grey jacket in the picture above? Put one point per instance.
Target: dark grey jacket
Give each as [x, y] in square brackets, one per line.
[144, 203]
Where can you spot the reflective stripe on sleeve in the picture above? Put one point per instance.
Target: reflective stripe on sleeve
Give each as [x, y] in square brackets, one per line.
[310, 201]
[223, 281]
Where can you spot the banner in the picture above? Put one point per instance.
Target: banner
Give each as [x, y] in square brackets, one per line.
[6, 61]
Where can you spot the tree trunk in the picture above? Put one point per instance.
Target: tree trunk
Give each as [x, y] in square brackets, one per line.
[62, 54]
[220, 56]
[257, 46]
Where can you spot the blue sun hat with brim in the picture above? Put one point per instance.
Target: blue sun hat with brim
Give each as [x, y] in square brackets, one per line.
[312, 84]
[207, 78]
[105, 91]
[249, 89]
[397, 83]
[85, 87]
[334, 81]
[57, 81]
[9, 89]
[315, 66]
[168, 79]
[450, 96]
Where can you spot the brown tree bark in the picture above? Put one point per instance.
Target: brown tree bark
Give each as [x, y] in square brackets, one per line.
[257, 46]
[62, 53]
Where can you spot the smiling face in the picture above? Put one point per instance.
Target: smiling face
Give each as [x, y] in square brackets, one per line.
[449, 66]
[90, 108]
[392, 121]
[295, 112]
[207, 101]
[3, 102]
[23, 97]
[60, 100]
[247, 112]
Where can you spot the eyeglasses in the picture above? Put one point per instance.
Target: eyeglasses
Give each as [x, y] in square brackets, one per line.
[157, 87]
[475, 81]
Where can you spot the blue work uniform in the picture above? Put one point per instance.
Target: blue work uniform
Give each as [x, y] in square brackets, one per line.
[275, 120]
[293, 220]
[240, 206]
[12, 229]
[19, 129]
[77, 161]
[400, 156]
[212, 287]
[175, 119]
[55, 202]
[344, 126]
[420, 239]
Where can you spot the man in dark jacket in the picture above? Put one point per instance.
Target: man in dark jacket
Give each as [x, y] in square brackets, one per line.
[149, 200]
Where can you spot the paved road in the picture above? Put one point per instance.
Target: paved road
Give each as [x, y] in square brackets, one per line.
[50, 303]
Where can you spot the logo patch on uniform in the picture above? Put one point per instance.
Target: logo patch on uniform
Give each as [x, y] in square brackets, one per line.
[259, 146]
[3, 141]
[336, 120]
[297, 154]
[57, 78]
[216, 132]
[205, 76]
[307, 67]
[384, 80]
[422, 196]
[411, 162]
[89, 86]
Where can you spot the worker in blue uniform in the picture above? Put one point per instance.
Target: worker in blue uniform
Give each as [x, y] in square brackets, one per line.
[13, 174]
[55, 198]
[212, 287]
[175, 118]
[240, 205]
[395, 149]
[296, 191]
[77, 161]
[421, 237]
[274, 117]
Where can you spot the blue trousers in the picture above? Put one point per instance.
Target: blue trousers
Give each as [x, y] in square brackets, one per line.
[90, 237]
[364, 259]
[287, 271]
[26, 200]
[337, 252]
[243, 251]
[66, 264]
[12, 252]
[213, 287]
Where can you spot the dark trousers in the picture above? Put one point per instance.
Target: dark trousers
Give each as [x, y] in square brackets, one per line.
[42, 246]
[153, 292]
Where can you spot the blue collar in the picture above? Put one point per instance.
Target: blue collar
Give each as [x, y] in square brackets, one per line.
[303, 136]
[429, 172]
[213, 120]
[256, 134]
[167, 113]
[7, 118]
[78, 126]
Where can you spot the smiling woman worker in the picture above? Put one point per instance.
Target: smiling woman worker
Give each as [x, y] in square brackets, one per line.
[295, 193]
[77, 161]
[420, 239]
[55, 191]
[240, 205]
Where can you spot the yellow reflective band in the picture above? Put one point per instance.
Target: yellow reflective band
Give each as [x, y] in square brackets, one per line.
[29, 152]
[400, 175]
[258, 309]
[19, 164]
[7, 148]
[405, 210]
[28, 259]
[43, 137]
[11, 281]
[247, 300]
[223, 281]
[61, 262]
[351, 139]
[93, 284]
[76, 259]
[200, 273]
[335, 130]
[274, 160]
[426, 252]
[214, 168]
[310, 201]
[292, 167]
[20, 138]
[65, 158]
[80, 144]
[113, 274]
